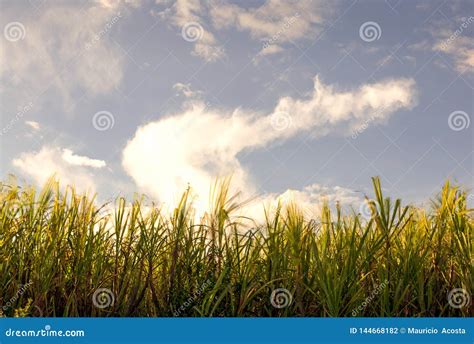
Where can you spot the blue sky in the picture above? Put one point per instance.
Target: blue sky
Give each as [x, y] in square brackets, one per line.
[296, 99]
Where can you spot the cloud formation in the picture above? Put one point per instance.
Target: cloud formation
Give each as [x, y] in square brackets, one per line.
[185, 90]
[275, 22]
[198, 145]
[33, 125]
[79, 160]
[64, 48]
[309, 200]
[459, 48]
[452, 40]
[71, 169]
[188, 17]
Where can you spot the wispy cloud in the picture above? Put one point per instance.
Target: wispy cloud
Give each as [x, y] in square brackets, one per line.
[193, 147]
[309, 200]
[188, 16]
[273, 23]
[32, 124]
[63, 163]
[185, 90]
[64, 49]
[460, 49]
[78, 160]
[452, 40]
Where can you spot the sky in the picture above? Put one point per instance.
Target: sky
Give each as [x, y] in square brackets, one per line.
[296, 100]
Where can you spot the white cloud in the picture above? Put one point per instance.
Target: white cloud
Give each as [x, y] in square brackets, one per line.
[461, 49]
[119, 3]
[274, 22]
[185, 89]
[309, 200]
[65, 46]
[32, 124]
[453, 41]
[208, 49]
[280, 21]
[78, 160]
[272, 49]
[188, 17]
[50, 160]
[200, 144]
[267, 51]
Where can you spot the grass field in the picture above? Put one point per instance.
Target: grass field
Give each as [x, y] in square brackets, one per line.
[61, 255]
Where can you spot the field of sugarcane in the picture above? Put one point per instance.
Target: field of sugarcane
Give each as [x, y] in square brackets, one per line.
[63, 255]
